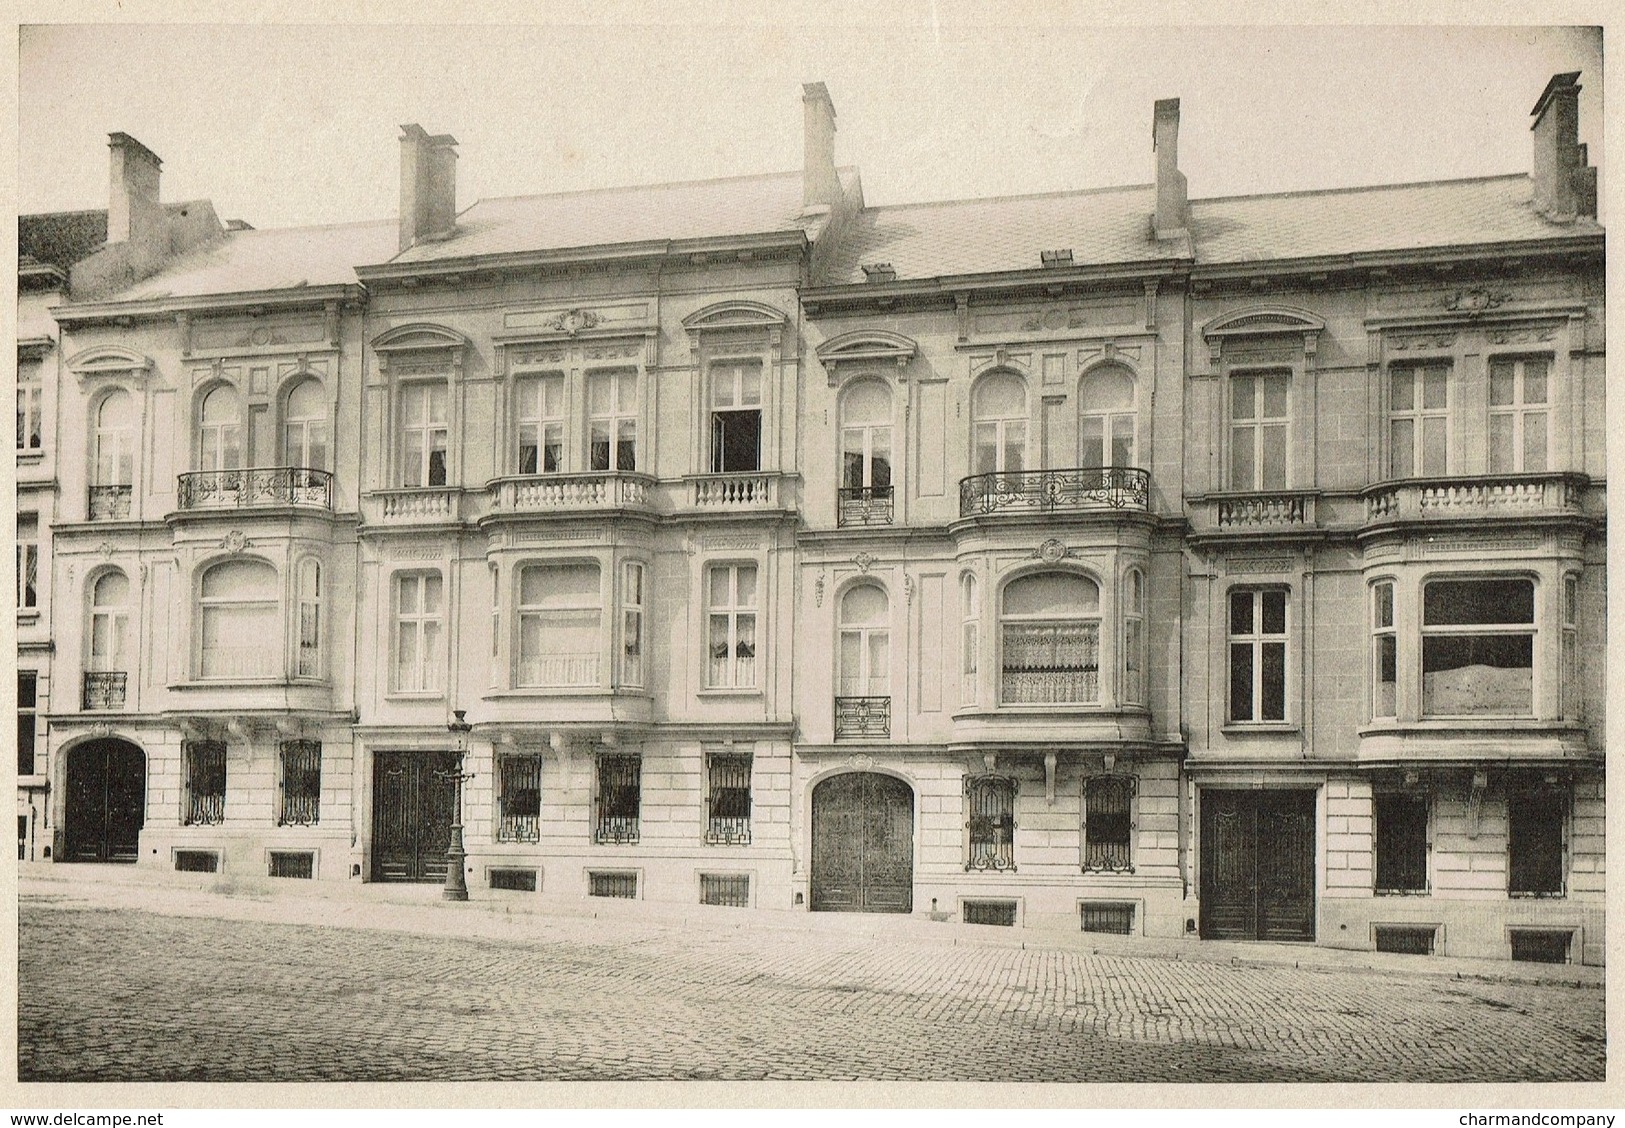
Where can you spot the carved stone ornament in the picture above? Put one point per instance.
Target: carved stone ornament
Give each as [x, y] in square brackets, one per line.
[908, 589]
[105, 550]
[860, 761]
[1476, 300]
[101, 728]
[234, 541]
[1521, 336]
[1423, 341]
[864, 561]
[573, 321]
[818, 590]
[1051, 551]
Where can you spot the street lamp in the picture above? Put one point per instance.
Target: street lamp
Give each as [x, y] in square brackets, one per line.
[456, 888]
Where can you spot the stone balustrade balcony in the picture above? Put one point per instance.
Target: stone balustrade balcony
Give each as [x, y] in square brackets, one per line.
[416, 505]
[1479, 497]
[572, 493]
[743, 491]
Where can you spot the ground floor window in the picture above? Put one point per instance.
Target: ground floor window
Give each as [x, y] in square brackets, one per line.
[619, 800]
[519, 799]
[728, 798]
[205, 780]
[1401, 842]
[1536, 822]
[301, 783]
[1107, 802]
[992, 823]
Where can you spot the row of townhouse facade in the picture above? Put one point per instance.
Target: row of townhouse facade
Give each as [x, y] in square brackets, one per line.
[1230, 568]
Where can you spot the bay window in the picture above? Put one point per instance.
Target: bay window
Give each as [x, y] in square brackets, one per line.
[1050, 628]
[240, 631]
[310, 619]
[1478, 647]
[560, 626]
[1384, 651]
[1134, 637]
[632, 624]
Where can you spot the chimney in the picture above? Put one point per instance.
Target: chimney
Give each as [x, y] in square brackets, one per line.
[821, 185]
[1168, 222]
[134, 214]
[428, 186]
[1564, 186]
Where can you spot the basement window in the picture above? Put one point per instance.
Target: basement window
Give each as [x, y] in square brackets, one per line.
[1108, 916]
[622, 884]
[1541, 945]
[197, 861]
[1001, 913]
[729, 889]
[1407, 940]
[293, 863]
[517, 880]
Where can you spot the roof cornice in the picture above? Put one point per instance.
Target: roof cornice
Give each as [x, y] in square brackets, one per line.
[1562, 246]
[1036, 279]
[91, 312]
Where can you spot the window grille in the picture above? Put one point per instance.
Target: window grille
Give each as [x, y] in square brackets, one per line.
[861, 717]
[197, 861]
[613, 884]
[205, 783]
[619, 801]
[728, 800]
[991, 912]
[301, 783]
[1401, 843]
[1107, 806]
[729, 889]
[1541, 945]
[519, 880]
[1105, 917]
[1406, 941]
[992, 804]
[291, 863]
[1536, 820]
[520, 800]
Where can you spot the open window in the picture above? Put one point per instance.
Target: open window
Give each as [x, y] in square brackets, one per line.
[736, 416]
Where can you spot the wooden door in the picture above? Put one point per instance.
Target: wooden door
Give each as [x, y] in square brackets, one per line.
[863, 844]
[106, 792]
[1258, 865]
[413, 807]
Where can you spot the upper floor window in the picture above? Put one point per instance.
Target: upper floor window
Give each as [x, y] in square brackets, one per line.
[1478, 647]
[418, 633]
[1520, 415]
[27, 719]
[30, 407]
[423, 431]
[1051, 637]
[112, 456]
[999, 424]
[731, 626]
[1134, 637]
[27, 561]
[865, 662]
[1384, 651]
[219, 443]
[540, 403]
[1418, 420]
[310, 619]
[560, 632]
[736, 416]
[866, 434]
[109, 622]
[632, 624]
[1258, 430]
[1106, 417]
[970, 640]
[612, 420]
[1571, 646]
[1258, 641]
[304, 427]
[239, 624]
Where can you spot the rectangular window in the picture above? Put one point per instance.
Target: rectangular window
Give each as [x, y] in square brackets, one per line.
[423, 434]
[205, 778]
[560, 626]
[1105, 916]
[632, 625]
[736, 416]
[27, 719]
[613, 884]
[612, 420]
[1571, 646]
[1519, 415]
[1108, 824]
[727, 798]
[418, 654]
[1410, 941]
[30, 410]
[1541, 945]
[1384, 654]
[519, 799]
[27, 561]
[991, 805]
[970, 636]
[1001, 913]
[619, 799]
[301, 784]
[310, 619]
[729, 889]
[1258, 641]
[1537, 818]
[1258, 430]
[731, 630]
[1418, 421]
[197, 861]
[1401, 842]
[540, 410]
[517, 880]
[1134, 638]
[292, 863]
[1478, 647]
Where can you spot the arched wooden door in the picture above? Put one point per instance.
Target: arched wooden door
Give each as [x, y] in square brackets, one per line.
[107, 798]
[863, 844]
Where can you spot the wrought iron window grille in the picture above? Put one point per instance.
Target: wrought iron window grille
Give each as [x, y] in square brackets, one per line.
[104, 689]
[1108, 827]
[864, 505]
[619, 800]
[205, 783]
[859, 717]
[520, 799]
[728, 800]
[301, 783]
[991, 826]
[728, 889]
[109, 503]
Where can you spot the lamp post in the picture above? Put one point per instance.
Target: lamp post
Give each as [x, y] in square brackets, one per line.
[456, 888]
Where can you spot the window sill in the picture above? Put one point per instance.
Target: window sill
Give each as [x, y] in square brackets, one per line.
[1402, 892]
[30, 457]
[729, 691]
[1258, 728]
[28, 617]
[1557, 896]
[1518, 724]
[415, 695]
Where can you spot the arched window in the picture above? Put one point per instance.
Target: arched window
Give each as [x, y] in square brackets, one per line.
[112, 457]
[304, 427]
[999, 424]
[866, 479]
[560, 633]
[1134, 637]
[109, 626]
[310, 619]
[219, 443]
[1051, 636]
[865, 643]
[1106, 420]
[539, 403]
[240, 630]
[970, 634]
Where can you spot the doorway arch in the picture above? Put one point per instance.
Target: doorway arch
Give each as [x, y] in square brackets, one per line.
[106, 802]
[863, 844]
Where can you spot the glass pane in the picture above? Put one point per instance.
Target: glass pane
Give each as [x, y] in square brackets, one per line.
[626, 393]
[412, 458]
[986, 459]
[1015, 447]
[1111, 387]
[1468, 675]
[431, 593]
[437, 461]
[1384, 597]
[1501, 444]
[1091, 441]
[721, 583]
[879, 668]
[1386, 669]
[1434, 459]
[747, 585]
[864, 605]
[1272, 472]
[1272, 682]
[598, 445]
[1123, 440]
[750, 385]
[1401, 451]
[1534, 381]
[880, 470]
[1052, 594]
[1468, 602]
[1241, 398]
[1241, 612]
[851, 665]
[867, 402]
[1000, 396]
[852, 469]
[1274, 396]
[1241, 458]
[598, 394]
[1501, 390]
[1274, 612]
[1435, 383]
[1241, 681]
[626, 446]
[406, 656]
[1402, 389]
[1534, 442]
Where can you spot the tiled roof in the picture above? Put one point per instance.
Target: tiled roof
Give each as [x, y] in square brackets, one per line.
[60, 238]
[746, 205]
[279, 259]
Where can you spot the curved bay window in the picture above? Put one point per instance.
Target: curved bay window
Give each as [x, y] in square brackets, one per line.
[1134, 637]
[866, 459]
[970, 635]
[310, 619]
[1384, 653]
[112, 457]
[1106, 419]
[560, 631]
[539, 404]
[1050, 625]
[999, 424]
[990, 802]
[1478, 647]
[237, 610]
[1108, 803]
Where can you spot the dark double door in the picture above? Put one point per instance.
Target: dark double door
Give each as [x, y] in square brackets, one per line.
[414, 799]
[1258, 865]
[107, 798]
[863, 844]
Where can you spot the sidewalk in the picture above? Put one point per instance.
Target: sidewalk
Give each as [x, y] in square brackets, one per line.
[493, 914]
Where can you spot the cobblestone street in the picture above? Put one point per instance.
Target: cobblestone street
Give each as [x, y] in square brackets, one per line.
[109, 992]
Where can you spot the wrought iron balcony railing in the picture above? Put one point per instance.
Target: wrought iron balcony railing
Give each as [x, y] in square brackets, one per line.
[256, 487]
[109, 503]
[104, 689]
[862, 717]
[865, 505]
[1079, 490]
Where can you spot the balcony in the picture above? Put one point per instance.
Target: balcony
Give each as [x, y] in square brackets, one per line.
[109, 503]
[104, 689]
[858, 718]
[1238, 512]
[417, 505]
[572, 493]
[1081, 490]
[738, 492]
[1476, 498]
[864, 505]
[260, 487]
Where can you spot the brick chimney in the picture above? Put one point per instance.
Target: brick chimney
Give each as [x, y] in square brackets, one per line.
[428, 186]
[1168, 222]
[821, 184]
[134, 215]
[1565, 187]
